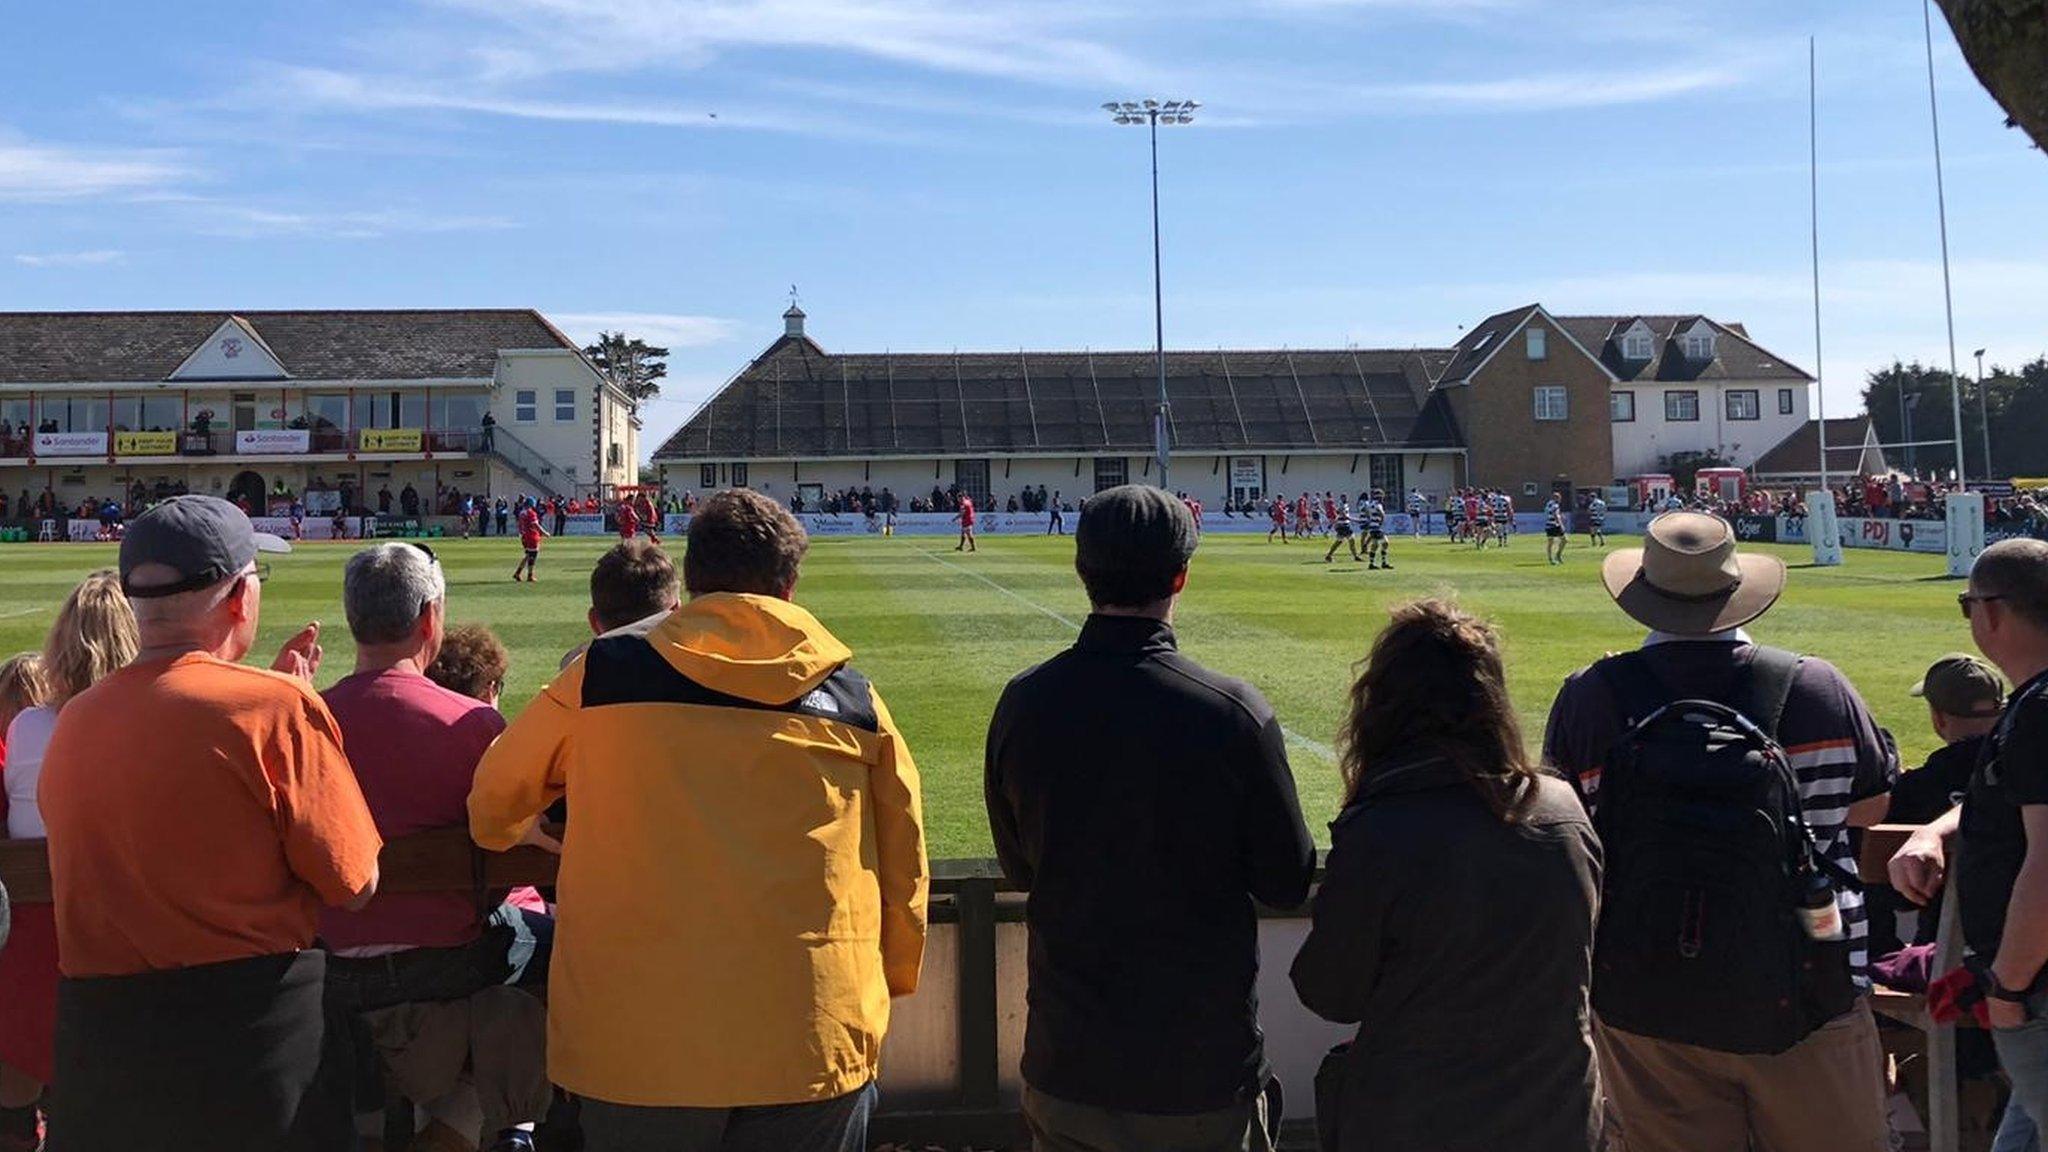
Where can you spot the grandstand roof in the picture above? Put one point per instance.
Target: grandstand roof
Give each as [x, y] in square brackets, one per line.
[115, 347]
[797, 400]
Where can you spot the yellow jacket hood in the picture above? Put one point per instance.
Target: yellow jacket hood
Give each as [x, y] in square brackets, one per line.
[759, 648]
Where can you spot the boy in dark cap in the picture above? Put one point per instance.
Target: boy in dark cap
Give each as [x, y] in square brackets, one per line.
[1120, 775]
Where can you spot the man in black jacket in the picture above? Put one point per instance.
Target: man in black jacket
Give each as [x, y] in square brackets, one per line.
[1145, 803]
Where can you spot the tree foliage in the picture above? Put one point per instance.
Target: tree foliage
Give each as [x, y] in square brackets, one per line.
[2006, 44]
[2018, 411]
[631, 363]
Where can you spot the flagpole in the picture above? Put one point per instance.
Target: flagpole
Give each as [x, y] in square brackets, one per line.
[1820, 391]
[1955, 384]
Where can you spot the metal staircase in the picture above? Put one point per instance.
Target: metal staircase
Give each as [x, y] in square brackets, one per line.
[519, 456]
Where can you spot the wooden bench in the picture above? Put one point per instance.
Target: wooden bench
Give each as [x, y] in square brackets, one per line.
[1944, 1120]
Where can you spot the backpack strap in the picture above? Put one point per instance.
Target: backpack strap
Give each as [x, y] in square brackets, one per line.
[1766, 686]
[1635, 685]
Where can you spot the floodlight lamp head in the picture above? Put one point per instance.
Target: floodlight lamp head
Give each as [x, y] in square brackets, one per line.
[1122, 119]
[1151, 104]
[1184, 118]
[1111, 106]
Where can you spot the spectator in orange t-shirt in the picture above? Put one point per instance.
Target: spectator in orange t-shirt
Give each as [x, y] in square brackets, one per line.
[189, 876]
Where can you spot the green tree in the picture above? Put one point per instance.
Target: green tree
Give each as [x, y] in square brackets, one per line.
[631, 363]
[2018, 411]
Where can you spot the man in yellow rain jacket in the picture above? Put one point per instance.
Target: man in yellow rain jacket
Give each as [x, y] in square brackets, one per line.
[743, 880]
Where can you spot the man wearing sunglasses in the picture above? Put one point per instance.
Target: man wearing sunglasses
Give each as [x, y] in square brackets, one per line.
[2002, 887]
[200, 812]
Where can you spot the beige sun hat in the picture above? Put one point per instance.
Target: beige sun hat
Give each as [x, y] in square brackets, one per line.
[1688, 579]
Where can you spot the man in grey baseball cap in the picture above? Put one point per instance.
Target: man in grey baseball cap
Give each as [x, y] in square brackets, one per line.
[187, 543]
[1120, 775]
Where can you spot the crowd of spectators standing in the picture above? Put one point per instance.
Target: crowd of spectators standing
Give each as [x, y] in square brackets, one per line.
[1569, 950]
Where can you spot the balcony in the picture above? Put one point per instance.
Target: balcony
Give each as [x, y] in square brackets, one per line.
[87, 447]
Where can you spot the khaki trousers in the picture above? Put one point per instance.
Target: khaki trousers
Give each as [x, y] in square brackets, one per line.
[1063, 1126]
[1824, 1094]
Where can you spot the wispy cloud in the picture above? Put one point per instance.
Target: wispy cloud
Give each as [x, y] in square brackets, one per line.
[338, 90]
[32, 171]
[250, 222]
[68, 259]
[1040, 41]
[666, 329]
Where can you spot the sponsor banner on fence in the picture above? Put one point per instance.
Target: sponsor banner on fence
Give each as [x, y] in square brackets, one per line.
[289, 441]
[581, 524]
[321, 528]
[145, 443]
[71, 444]
[389, 440]
[1756, 529]
[1894, 535]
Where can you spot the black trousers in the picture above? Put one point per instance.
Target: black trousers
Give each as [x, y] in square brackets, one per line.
[237, 1056]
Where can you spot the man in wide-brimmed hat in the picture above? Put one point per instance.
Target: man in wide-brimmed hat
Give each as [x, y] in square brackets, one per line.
[1695, 592]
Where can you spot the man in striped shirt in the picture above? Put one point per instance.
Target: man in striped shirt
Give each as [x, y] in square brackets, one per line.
[1695, 594]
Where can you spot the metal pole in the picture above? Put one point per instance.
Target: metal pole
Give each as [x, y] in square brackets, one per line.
[1984, 417]
[1905, 424]
[1955, 388]
[1159, 418]
[1820, 391]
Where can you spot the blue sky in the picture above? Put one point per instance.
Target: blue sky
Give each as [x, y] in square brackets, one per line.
[937, 174]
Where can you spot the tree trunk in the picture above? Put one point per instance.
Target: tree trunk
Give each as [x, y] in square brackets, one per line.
[2006, 43]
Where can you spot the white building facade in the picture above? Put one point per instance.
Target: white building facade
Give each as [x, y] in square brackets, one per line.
[101, 405]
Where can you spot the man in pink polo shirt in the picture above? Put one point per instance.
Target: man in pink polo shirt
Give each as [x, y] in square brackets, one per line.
[415, 746]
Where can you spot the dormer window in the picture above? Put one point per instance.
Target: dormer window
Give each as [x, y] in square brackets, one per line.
[1636, 345]
[1699, 346]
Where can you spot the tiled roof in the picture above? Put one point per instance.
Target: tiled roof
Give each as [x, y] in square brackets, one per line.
[795, 399]
[1480, 342]
[73, 347]
[1736, 356]
[1799, 453]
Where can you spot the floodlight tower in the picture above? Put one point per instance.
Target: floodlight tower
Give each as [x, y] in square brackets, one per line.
[1153, 113]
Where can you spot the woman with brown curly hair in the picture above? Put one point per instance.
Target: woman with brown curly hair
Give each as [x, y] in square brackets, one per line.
[1455, 922]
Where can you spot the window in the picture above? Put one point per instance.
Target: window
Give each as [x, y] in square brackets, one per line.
[327, 412]
[1636, 346]
[523, 403]
[707, 475]
[367, 412]
[971, 477]
[1386, 474]
[739, 474]
[1784, 401]
[565, 404]
[412, 410]
[1550, 402]
[1699, 346]
[459, 411]
[1111, 471]
[615, 455]
[1743, 404]
[147, 413]
[1621, 407]
[1538, 340]
[1682, 405]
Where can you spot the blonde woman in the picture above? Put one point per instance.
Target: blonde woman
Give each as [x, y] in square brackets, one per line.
[93, 636]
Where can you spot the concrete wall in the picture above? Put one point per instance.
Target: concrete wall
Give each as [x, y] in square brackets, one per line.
[1642, 445]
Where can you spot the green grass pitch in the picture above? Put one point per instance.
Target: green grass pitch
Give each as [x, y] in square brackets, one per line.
[940, 632]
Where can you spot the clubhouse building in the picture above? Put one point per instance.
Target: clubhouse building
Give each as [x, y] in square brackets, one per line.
[237, 404]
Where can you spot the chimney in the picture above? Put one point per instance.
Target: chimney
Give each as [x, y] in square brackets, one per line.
[793, 321]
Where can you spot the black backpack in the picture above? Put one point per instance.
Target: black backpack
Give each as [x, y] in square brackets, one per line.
[1708, 857]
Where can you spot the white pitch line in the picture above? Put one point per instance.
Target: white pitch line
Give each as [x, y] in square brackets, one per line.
[19, 612]
[1316, 747]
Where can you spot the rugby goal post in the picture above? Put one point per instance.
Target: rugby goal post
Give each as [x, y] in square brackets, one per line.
[1965, 512]
[1823, 530]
